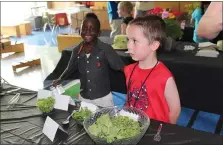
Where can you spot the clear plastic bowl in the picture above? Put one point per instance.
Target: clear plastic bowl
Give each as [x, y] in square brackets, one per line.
[142, 118]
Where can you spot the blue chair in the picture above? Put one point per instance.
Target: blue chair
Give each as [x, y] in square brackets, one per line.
[119, 99]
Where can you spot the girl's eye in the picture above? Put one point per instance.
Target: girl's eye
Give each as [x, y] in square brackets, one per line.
[134, 41]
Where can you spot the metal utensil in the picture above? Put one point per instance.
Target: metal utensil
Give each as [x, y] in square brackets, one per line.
[10, 91]
[157, 137]
[67, 121]
[14, 100]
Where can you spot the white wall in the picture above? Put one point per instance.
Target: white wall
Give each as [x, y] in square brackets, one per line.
[16, 12]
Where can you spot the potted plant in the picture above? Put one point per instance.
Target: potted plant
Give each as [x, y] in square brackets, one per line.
[189, 9]
[173, 28]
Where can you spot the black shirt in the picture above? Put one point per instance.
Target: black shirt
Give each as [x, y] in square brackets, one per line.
[94, 70]
[127, 20]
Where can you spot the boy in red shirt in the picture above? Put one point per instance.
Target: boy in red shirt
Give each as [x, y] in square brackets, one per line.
[150, 85]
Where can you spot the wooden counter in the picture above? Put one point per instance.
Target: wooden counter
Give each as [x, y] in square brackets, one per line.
[25, 28]
[66, 41]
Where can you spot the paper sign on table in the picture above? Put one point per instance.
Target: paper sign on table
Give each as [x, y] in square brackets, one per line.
[44, 94]
[50, 128]
[206, 44]
[71, 102]
[60, 89]
[62, 102]
[90, 106]
[207, 53]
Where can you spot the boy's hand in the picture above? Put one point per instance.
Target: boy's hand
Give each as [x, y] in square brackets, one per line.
[56, 82]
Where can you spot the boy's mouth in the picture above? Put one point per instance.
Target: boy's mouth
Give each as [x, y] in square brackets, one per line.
[87, 37]
[131, 54]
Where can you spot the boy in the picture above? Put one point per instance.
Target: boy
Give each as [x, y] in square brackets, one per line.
[150, 85]
[93, 59]
[125, 11]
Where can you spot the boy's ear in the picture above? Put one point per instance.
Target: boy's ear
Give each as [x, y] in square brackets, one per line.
[155, 45]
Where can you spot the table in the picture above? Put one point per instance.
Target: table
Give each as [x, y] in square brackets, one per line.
[11, 30]
[198, 78]
[69, 10]
[25, 28]
[24, 126]
[18, 29]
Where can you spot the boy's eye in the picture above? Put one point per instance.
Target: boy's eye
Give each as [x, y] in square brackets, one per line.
[132, 40]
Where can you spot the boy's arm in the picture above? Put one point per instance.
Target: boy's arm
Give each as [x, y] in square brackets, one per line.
[71, 65]
[72, 62]
[114, 59]
[211, 23]
[173, 100]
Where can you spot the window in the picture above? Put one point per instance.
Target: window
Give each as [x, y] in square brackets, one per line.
[16, 12]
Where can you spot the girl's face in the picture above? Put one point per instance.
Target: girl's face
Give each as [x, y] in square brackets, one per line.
[121, 11]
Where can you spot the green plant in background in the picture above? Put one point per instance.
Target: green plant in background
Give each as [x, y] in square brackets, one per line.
[219, 45]
[191, 7]
[46, 105]
[173, 29]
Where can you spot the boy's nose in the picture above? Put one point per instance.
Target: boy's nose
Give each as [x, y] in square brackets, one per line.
[129, 46]
[88, 31]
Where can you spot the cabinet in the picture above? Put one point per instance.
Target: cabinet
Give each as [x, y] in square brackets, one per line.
[102, 15]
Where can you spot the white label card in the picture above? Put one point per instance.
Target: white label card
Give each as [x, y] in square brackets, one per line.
[62, 102]
[50, 128]
[44, 94]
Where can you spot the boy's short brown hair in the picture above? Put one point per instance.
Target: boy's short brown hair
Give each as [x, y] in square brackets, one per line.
[128, 6]
[152, 26]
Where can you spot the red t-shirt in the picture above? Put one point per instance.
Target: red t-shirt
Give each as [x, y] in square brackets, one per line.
[151, 99]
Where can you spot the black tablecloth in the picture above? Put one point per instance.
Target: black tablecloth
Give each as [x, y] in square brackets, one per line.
[24, 126]
[188, 33]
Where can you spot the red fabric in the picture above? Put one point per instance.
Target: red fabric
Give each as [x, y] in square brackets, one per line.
[176, 13]
[155, 11]
[153, 93]
[61, 19]
[88, 3]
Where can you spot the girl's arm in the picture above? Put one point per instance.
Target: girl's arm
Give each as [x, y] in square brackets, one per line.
[173, 100]
[211, 23]
[123, 27]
